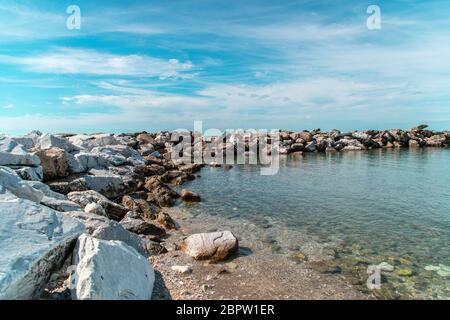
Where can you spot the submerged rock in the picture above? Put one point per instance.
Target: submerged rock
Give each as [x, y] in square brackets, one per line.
[215, 246]
[110, 270]
[189, 196]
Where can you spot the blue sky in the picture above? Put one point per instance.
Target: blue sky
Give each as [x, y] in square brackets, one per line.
[157, 65]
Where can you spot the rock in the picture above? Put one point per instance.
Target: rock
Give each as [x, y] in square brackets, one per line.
[88, 142]
[306, 136]
[48, 141]
[54, 163]
[311, 146]
[145, 138]
[139, 226]
[160, 193]
[75, 164]
[110, 270]
[106, 229]
[95, 208]
[404, 272]
[166, 221]
[85, 161]
[215, 246]
[34, 241]
[189, 196]
[45, 189]
[146, 149]
[113, 210]
[10, 181]
[420, 127]
[119, 155]
[384, 266]
[14, 154]
[441, 270]
[111, 186]
[414, 143]
[295, 147]
[135, 203]
[30, 173]
[182, 269]
[60, 205]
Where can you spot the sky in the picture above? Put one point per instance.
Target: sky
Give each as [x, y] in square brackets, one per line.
[161, 65]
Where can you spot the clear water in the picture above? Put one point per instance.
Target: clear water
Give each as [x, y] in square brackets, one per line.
[384, 206]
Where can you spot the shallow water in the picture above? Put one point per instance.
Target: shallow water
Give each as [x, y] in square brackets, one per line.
[383, 206]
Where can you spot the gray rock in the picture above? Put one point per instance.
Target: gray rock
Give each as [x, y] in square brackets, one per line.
[113, 210]
[106, 229]
[34, 240]
[60, 205]
[14, 154]
[30, 173]
[10, 181]
[142, 227]
[110, 270]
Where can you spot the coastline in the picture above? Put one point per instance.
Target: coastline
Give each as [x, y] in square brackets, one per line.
[130, 182]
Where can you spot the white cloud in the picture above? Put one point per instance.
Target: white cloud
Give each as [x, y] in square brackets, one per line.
[90, 62]
[8, 106]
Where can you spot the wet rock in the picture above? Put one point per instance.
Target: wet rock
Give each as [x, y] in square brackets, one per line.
[134, 202]
[189, 196]
[36, 241]
[311, 146]
[404, 272]
[111, 270]
[166, 221]
[54, 163]
[214, 246]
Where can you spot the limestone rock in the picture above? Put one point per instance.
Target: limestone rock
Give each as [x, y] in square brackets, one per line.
[30, 173]
[14, 154]
[10, 181]
[215, 246]
[111, 270]
[83, 198]
[34, 240]
[54, 163]
[49, 141]
[140, 226]
[95, 208]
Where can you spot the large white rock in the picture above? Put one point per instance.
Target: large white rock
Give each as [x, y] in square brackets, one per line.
[14, 154]
[106, 229]
[48, 141]
[10, 181]
[30, 173]
[88, 142]
[60, 205]
[87, 160]
[34, 241]
[110, 186]
[215, 246]
[110, 270]
[119, 155]
[45, 189]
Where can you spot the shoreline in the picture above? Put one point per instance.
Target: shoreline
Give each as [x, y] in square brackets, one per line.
[122, 188]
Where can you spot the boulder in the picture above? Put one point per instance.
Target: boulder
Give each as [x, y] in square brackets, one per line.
[106, 229]
[140, 226]
[110, 270]
[95, 208]
[145, 138]
[189, 196]
[10, 181]
[49, 141]
[54, 163]
[14, 154]
[84, 161]
[166, 221]
[119, 155]
[34, 241]
[113, 210]
[88, 142]
[311, 146]
[135, 203]
[215, 246]
[59, 204]
[111, 186]
[30, 173]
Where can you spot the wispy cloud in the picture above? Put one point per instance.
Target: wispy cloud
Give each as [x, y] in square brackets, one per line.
[8, 106]
[90, 62]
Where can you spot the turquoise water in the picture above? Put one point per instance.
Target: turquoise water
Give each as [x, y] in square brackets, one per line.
[381, 206]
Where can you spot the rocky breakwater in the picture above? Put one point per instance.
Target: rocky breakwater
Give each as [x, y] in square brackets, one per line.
[81, 214]
[335, 140]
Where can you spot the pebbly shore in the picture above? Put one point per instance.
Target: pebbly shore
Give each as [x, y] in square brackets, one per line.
[88, 216]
